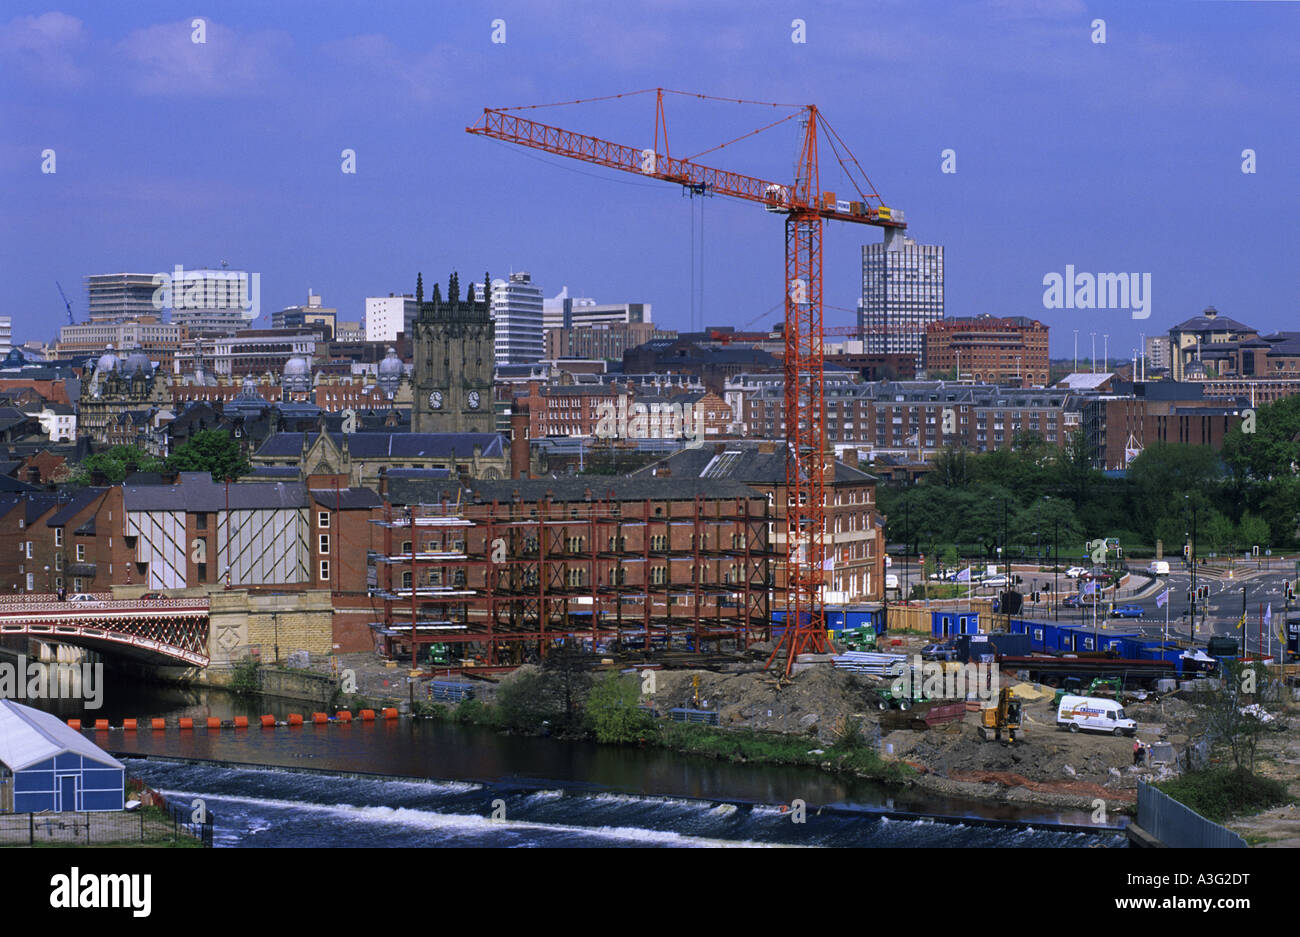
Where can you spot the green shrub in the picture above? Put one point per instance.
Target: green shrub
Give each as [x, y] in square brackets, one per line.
[613, 710]
[1222, 793]
[246, 677]
[474, 712]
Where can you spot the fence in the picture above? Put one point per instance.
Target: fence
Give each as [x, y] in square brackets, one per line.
[1179, 826]
[30, 829]
[908, 618]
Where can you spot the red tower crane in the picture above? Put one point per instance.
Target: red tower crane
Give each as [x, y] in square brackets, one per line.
[809, 466]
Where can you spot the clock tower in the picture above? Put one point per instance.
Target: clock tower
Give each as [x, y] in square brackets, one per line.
[455, 352]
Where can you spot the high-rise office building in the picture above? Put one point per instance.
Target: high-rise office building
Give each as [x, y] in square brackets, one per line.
[902, 293]
[386, 316]
[6, 335]
[119, 297]
[215, 302]
[517, 313]
[563, 311]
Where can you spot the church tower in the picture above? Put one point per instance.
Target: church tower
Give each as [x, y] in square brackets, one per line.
[455, 351]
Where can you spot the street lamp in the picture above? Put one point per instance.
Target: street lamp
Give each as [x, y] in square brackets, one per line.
[48, 586]
[1192, 556]
[1056, 563]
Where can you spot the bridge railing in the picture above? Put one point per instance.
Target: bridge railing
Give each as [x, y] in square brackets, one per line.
[52, 604]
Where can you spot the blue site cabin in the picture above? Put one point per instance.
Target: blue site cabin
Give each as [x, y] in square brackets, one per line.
[951, 624]
[47, 766]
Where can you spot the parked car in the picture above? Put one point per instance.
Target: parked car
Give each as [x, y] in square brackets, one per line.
[1074, 572]
[1159, 568]
[1126, 611]
[891, 581]
[994, 581]
[1072, 601]
[83, 598]
[938, 652]
[154, 595]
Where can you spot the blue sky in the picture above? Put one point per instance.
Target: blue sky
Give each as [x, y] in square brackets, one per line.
[1123, 156]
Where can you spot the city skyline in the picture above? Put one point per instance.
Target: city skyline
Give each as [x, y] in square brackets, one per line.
[1077, 154]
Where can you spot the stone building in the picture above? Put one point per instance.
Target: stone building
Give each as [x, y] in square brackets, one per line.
[454, 360]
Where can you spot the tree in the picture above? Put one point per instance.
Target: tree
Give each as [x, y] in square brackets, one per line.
[949, 468]
[1252, 531]
[114, 464]
[1273, 449]
[1073, 468]
[210, 450]
[1163, 473]
[1218, 531]
[566, 671]
[613, 710]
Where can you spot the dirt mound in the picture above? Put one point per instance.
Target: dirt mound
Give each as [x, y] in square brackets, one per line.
[760, 699]
[1077, 788]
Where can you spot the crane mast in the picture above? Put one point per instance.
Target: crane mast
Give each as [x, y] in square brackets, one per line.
[809, 463]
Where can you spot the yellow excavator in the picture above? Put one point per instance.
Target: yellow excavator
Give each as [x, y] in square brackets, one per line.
[1004, 716]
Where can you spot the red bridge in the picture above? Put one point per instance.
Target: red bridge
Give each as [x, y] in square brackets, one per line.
[160, 631]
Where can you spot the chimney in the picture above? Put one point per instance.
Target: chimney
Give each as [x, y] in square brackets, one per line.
[850, 458]
[767, 447]
[519, 446]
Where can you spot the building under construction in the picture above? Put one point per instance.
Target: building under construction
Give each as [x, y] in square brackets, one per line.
[497, 572]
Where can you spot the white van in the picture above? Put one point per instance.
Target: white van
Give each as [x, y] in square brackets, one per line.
[1089, 712]
[1160, 568]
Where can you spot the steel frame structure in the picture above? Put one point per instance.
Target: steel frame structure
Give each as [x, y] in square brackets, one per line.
[805, 206]
[514, 578]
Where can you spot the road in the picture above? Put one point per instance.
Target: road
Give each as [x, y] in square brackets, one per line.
[1219, 615]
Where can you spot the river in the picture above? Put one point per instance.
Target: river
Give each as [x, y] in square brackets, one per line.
[424, 783]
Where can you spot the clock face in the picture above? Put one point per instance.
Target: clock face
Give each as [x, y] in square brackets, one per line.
[435, 399]
[473, 400]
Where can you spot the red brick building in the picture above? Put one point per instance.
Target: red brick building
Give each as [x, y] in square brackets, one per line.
[989, 349]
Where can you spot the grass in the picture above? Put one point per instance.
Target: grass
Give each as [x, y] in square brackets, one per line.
[754, 747]
[1220, 794]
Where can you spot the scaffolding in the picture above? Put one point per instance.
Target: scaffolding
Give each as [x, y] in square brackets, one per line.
[501, 582]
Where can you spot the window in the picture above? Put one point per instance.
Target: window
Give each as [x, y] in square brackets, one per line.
[58, 536]
[324, 569]
[322, 519]
[58, 561]
[76, 582]
[58, 582]
[28, 546]
[200, 521]
[81, 551]
[324, 544]
[31, 581]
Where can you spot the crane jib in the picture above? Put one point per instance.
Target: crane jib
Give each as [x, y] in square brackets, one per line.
[646, 162]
